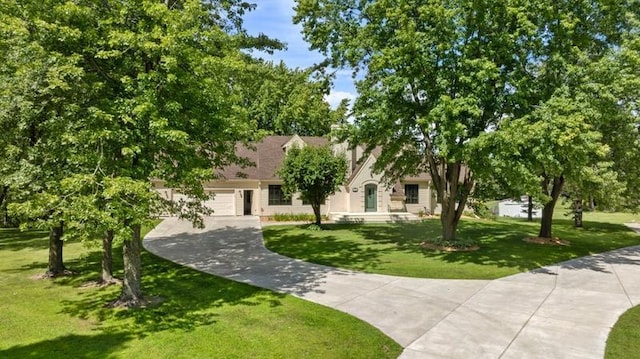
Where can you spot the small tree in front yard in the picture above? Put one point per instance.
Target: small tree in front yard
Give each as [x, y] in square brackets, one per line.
[315, 172]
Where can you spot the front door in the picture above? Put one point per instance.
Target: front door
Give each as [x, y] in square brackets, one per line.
[247, 202]
[370, 194]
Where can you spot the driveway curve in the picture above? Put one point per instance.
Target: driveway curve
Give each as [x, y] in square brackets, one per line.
[559, 311]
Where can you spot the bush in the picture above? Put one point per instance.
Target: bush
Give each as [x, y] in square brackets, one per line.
[314, 227]
[295, 217]
[481, 210]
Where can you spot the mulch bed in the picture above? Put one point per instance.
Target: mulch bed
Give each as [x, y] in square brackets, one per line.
[48, 275]
[437, 247]
[141, 303]
[547, 241]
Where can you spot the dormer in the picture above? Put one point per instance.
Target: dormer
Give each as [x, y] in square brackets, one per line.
[295, 141]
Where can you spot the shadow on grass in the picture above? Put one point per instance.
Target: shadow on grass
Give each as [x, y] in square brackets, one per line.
[71, 346]
[14, 240]
[188, 298]
[239, 254]
[327, 249]
[501, 245]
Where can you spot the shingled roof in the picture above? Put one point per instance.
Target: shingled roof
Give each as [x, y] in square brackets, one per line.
[423, 176]
[266, 155]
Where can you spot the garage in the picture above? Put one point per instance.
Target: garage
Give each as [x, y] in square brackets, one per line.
[223, 202]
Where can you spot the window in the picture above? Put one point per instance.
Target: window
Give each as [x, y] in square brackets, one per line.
[411, 193]
[276, 196]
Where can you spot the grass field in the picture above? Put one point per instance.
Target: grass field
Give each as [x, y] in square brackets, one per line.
[624, 339]
[395, 248]
[201, 316]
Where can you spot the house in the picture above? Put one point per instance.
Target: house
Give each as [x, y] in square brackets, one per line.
[257, 190]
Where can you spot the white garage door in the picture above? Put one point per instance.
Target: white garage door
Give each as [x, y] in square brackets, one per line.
[223, 202]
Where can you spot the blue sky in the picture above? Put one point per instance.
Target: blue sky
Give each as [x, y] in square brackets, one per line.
[274, 19]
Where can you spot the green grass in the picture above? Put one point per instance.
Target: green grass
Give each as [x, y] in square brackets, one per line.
[624, 339]
[394, 249]
[201, 316]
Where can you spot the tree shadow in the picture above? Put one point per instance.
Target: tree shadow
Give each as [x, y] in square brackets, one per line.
[601, 262]
[187, 298]
[501, 243]
[103, 345]
[13, 239]
[329, 250]
[239, 254]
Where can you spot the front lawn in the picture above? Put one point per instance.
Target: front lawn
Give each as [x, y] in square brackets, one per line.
[395, 248]
[624, 339]
[202, 316]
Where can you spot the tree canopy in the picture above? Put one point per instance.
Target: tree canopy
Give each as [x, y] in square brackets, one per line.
[287, 101]
[437, 78]
[116, 94]
[315, 172]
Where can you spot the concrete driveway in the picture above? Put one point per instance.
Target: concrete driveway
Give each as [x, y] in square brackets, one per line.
[559, 311]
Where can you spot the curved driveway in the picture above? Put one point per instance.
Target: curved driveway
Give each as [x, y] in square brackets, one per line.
[559, 311]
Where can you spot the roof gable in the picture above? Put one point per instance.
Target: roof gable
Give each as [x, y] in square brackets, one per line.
[266, 156]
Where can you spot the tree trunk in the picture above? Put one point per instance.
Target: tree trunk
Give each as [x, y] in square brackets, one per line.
[577, 212]
[449, 228]
[107, 258]
[316, 212]
[131, 295]
[592, 204]
[56, 264]
[450, 215]
[3, 206]
[453, 194]
[547, 211]
[530, 209]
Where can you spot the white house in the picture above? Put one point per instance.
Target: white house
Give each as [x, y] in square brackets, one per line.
[257, 190]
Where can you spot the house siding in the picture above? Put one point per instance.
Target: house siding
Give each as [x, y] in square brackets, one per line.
[350, 198]
[296, 206]
[424, 197]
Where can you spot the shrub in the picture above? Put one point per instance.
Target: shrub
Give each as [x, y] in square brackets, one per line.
[295, 217]
[481, 210]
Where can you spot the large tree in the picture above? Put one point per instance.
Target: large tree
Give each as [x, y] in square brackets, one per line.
[438, 76]
[173, 111]
[286, 101]
[40, 100]
[577, 121]
[314, 172]
[434, 76]
[161, 87]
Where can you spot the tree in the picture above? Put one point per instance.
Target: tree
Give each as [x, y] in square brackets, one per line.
[169, 108]
[434, 76]
[39, 99]
[159, 87]
[287, 101]
[439, 77]
[579, 38]
[538, 153]
[580, 129]
[315, 172]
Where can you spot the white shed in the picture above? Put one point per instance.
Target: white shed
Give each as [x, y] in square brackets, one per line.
[517, 208]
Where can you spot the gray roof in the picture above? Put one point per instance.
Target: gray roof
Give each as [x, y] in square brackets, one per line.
[266, 157]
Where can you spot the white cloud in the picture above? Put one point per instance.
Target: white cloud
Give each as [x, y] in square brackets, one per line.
[334, 98]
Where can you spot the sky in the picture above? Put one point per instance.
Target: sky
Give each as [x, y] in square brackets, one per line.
[274, 19]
